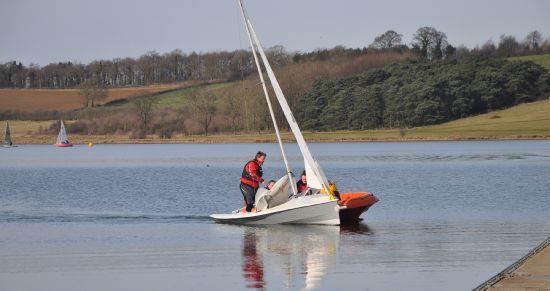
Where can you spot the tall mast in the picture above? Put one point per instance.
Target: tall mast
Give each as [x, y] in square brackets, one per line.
[256, 60]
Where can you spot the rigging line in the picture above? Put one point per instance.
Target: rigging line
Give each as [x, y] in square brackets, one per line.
[256, 60]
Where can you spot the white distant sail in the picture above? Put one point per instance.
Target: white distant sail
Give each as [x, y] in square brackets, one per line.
[7, 140]
[62, 136]
[315, 176]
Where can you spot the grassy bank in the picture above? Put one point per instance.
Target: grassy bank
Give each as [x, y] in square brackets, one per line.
[525, 121]
[543, 60]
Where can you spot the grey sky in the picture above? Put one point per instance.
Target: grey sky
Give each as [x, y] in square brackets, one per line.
[73, 30]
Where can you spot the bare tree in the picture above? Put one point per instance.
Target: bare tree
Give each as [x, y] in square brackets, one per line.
[533, 40]
[204, 107]
[277, 55]
[92, 92]
[144, 108]
[508, 46]
[488, 48]
[422, 41]
[430, 43]
[461, 51]
[387, 40]
[440, 48]
[232, 109]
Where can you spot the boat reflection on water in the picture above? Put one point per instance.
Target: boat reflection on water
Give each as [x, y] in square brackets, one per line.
[296, 253]
[355, 229]
[253, 268]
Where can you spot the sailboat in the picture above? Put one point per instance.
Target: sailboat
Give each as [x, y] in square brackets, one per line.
[62, 140]
[319, 204]
[7, 140]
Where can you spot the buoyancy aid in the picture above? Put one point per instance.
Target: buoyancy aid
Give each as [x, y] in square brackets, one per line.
[252, 174]
[301, 186]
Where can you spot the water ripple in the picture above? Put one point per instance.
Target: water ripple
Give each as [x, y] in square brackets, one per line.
[99, 218]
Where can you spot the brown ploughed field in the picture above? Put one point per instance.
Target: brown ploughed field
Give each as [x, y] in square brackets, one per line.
[28, 100]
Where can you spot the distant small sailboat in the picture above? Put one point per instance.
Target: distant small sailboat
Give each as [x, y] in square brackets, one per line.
[62, 140]
[7, 140]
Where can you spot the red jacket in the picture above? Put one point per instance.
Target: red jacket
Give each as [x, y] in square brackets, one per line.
[301, 186]
[252, 174]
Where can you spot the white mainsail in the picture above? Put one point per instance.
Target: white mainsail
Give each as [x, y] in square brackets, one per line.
[315, 176]
[62, 136]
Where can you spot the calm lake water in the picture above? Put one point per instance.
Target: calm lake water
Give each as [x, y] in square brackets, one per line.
[135, 217]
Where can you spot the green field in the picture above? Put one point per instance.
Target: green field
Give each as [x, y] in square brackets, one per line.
[174, 99]
[543, 60]
[525, 121]
[177, 99]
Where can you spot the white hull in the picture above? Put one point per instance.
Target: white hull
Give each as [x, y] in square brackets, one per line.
[314, 209]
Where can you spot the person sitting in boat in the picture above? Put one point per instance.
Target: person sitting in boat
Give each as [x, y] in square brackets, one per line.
[267, 187]
[251, 179]
[302, 183]
[270, 184]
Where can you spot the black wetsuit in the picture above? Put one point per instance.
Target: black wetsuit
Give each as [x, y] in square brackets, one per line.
[249, 195]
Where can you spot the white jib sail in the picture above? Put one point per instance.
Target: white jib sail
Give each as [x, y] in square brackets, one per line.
[62, 136]
[316, 177]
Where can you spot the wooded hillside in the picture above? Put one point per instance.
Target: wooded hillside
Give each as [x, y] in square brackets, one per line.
[416, 93]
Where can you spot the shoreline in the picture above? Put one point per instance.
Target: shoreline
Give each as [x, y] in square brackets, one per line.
[224, 139]
[524, 273]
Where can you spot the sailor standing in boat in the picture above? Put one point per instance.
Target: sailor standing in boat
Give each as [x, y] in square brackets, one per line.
[251, 179]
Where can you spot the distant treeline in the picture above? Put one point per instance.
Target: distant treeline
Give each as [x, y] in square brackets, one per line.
[150, 68]
[153, 68]
[421, 93]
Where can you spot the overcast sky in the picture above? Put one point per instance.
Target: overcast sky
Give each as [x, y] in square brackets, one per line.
[76, 30]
